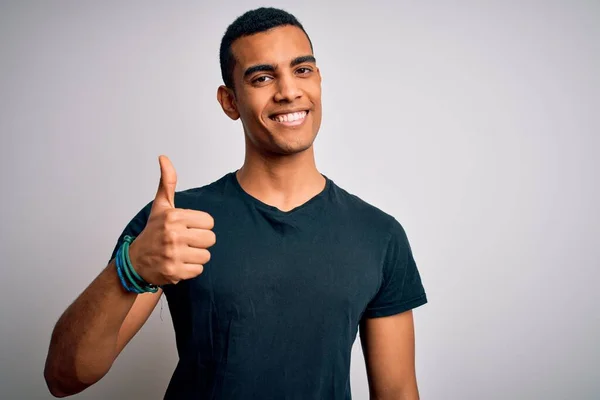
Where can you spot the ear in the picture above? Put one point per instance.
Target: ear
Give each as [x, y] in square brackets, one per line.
[226, 98]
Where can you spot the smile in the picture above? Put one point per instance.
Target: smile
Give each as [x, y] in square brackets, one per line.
[290, 119]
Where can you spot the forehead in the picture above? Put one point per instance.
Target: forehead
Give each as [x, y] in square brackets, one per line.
[276, 46]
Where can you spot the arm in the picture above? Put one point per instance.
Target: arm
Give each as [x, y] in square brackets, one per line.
[388, 345]
[92, 332]
[172, 246]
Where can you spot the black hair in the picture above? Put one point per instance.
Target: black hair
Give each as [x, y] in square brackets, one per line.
[253, 21]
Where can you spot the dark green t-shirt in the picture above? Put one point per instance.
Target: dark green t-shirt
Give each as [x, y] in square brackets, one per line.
[276, 310]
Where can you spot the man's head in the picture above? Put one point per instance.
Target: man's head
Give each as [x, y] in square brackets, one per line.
[254, 21]
[271, 81]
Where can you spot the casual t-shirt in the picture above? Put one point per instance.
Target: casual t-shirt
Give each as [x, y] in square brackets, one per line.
[276, 310]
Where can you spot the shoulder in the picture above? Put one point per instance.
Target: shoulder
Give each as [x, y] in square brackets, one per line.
[203, 196]
[195, 198]
[367, 215]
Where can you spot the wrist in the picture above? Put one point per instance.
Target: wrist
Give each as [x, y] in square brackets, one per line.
[130, 278]
[134, 255]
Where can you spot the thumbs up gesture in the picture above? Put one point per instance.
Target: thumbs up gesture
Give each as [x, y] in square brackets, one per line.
[174, 244]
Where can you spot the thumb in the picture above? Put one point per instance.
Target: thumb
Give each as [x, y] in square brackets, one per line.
[165, 195]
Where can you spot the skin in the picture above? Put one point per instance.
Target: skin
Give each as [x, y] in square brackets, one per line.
[388, 345]
[279, 166]
[280, 170]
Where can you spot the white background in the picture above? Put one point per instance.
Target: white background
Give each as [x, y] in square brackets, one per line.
[476, 124]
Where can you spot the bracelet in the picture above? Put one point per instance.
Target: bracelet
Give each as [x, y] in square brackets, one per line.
[130, 279]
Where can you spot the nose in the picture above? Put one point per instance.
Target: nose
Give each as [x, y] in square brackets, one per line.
[287, 89]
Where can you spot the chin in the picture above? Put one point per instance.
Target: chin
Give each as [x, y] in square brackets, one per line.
[295, 144]
[296, 149]
[289, 147]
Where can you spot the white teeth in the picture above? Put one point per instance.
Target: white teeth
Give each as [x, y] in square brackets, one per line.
[290, 117]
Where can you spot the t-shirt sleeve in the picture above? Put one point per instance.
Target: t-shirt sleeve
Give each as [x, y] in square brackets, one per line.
[401, 288]
[135, 226]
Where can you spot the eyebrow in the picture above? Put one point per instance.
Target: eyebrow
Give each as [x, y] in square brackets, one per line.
[271, 68]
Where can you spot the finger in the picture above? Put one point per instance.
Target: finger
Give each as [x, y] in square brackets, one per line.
[165, 195]
[193, 255]
[190, 271]
[199, 238]
[195, 219]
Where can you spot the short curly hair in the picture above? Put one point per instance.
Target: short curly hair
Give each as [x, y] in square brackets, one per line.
[253, 21]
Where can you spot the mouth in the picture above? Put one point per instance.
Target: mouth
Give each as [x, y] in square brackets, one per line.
[290, 119]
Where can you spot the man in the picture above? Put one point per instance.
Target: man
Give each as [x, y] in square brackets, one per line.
[269, 271]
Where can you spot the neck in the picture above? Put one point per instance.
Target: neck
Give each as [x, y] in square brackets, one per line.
[284, 182]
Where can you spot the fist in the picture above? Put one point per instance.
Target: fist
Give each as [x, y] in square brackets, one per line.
[174, 244]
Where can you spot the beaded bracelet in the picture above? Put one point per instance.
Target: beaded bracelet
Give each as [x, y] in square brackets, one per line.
[130, 279]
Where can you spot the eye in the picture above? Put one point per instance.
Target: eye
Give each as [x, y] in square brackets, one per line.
[261, 79]
[304, 70]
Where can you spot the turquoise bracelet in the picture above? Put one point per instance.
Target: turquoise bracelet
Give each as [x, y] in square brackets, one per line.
[121, 274]
[130, 279]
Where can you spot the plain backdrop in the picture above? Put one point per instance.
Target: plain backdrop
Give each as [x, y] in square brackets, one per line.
[476, 124]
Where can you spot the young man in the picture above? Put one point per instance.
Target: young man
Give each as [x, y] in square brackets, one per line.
[269, 271]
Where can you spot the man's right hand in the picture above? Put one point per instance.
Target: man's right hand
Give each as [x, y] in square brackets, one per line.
[173, 245]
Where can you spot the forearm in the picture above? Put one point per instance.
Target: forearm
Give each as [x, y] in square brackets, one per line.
[409, 392]
[84, 341]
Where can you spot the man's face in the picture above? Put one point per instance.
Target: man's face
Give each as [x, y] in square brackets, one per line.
[277, 90]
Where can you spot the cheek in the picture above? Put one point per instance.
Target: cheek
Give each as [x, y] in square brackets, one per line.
[315, 95]
[248, 115]
[316, 99]
[317, 119]
[318, 110]
[252, 110]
